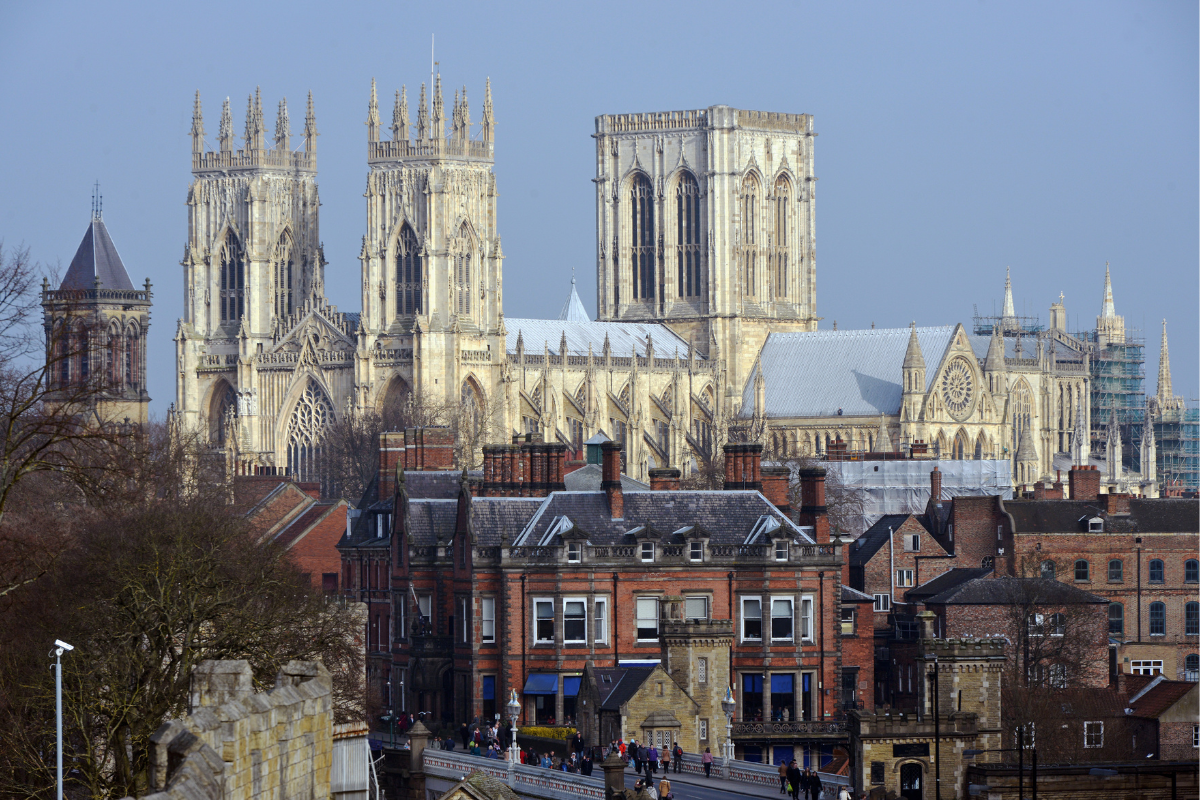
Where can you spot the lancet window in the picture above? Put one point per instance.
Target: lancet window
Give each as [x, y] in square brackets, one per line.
[687, 232]
[283, 277]
[780, 202]
[462, 273]
[408, 273]
[1022, 413]
[233, 280]
[642, 238]
[749, 254]
[306, 430]
[224, 408]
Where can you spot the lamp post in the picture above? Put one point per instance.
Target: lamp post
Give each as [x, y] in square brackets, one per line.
[728, 705]
[514, 712]
[60, 647]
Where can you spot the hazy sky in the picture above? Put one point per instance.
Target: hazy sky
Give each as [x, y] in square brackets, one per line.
[955, 138]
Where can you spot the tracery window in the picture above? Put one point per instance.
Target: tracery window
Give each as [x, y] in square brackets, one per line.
[642, 237]
[224, 407]
[85, 356]
[1022, 413]
[306, 428]
[233, 280]
[779, 256]
[283, 277]
[130, 378]
[114, 357]
[749, 256]
[687, 232]
[408, 272]
[462, 273]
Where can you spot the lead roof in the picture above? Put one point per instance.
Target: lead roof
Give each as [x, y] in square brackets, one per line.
[96, 258]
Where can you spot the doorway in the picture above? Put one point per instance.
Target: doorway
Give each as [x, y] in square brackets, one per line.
[910, 781]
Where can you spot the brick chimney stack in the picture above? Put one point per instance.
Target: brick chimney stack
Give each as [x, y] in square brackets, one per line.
[1085, 482]
[812, 502]
[664, 479]
[743, 466]
[391, 450]
[935, 484]
[1115, 503]
[775, 482]
[610, 478]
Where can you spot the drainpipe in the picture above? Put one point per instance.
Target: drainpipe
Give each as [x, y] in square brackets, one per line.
[821, 643]
[729, 578]
[615, 630]
[892, 567]
[1139, 589]
[524, 632]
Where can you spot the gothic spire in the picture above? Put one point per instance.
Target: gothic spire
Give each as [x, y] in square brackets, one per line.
[488, 123]
[913, 359]
[255, 133]
[439, 115]
[1079, 438]
[225, 136]
[422, 116]
[197, 132]
[995, 355]
[455, 118]
[310, 127]
[400, 116]
[883, 442]
[464, 117]
[1009, 313]
[1164, 369]
[283, 128]
[1108, 308]
[373, 116]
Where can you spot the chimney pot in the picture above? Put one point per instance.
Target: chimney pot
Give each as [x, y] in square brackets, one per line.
[664, 479]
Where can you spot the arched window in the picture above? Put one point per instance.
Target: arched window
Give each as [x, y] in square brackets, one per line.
[1058, 625]
[687, 233]
[306, 428]
[233, 280]
[1035, 625]
[63, 354]
[1116, 570]
[1191, 567]
[85, 355]
[779, 223]
[988, 562]
[472, 407]
[960, 446]
[749, 254]
[224, 406]
[283, 276]
[1048, 569]
[979, 448]
[1116, 619]
[642, 237]
[127, 367]
[1022, 415]
[1191, 619]
[462, 272]
[1156, 570]
[1081, 570]
[1158, 619]
[114, 357]
[408, 273]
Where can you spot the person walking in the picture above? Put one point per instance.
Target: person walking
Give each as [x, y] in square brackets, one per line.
[652, 761]
[793, 778]
[678, 758]
[635, 755]
[707, 760]
[665, 760]
[465, 732]
[814, 785]
[783, 777]
[664, 790]
[585, 767]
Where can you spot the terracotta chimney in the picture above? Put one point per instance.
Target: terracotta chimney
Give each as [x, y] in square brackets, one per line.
[1058, 484]
[775, 481]
[1085, 483]
[556, 467]
[1115, 503]
[812, 502]
[664, 479]
[743, 466]
[935, 484]
[391, 450]
[610, 478]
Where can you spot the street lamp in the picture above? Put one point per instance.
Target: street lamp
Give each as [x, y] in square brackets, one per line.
[60, 647]
[514, 712]
[728, 705]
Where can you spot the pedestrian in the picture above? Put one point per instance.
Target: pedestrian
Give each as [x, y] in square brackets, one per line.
[585, 767]
[664, 790]
[793, 778]
[651, 761]
[707, 760]
[678, 759]
[635, 755]
[844, 794]
[465, 732]
[665, 758]
[814, 785]
[783, 779]
[546, 761]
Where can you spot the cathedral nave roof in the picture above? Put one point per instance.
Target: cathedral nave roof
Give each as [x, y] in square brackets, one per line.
[623, 337]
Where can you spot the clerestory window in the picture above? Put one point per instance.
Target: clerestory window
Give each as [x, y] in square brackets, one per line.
[232, 280]
[687, 232]
[409, 278]
[642, 238]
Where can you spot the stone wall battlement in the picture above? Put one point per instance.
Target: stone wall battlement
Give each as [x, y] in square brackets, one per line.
[962, 648]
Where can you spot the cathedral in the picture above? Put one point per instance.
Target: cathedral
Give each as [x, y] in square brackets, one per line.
[706, 297]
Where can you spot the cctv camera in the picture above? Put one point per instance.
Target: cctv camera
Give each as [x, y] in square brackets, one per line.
[63, 645]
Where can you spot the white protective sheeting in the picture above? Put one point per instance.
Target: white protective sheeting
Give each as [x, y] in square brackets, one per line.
[902, 487]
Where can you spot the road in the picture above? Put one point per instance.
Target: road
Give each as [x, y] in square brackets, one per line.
[691, 791]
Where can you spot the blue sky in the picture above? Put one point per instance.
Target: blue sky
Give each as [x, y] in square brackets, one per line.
[955, 139]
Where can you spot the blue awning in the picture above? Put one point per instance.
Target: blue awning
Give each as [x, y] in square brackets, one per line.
[571, 685]
[541, 684]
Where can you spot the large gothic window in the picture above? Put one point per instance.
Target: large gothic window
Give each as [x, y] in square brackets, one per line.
[687, 232]
[129, 368]
[312, 415]
[1022, 406]
[283, 277]
[779, 222]
[462, 273]
[233, 280]
[408, 273]
[85, 356]
[223, 410]
[114, 357]
[642, 241]
[749, 255]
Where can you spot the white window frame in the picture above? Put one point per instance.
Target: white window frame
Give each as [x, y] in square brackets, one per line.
[701, 597]
[912, 542]
[643, 550]
[782, 550]
[1153, 666]
[540, 602]
[904, 578]
[638, 619]
[883, 603]
[702, 674]
[583, 602]
[574, 552]
[464, 627]
[1093, 734]
[791, 617]
[807, 632]
[425, 607]
[696, 551]
[487, 620]
[742, 606]
[704, 732]
[600, 625]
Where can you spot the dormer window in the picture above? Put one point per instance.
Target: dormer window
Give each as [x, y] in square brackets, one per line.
[696, 551]
[574, 552]
[781, 550]
[1095, 525]
[647, 551]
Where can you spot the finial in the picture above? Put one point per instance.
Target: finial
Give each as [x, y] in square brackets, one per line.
[283, 127]
[423, 116]
[455, 118]
[197, 132]
[488, 122]
[1108, 307]
[373, 116]
[98, 214]
[464, 117]
[400, 116]
[225, 135]
[310, 127]
[439, 116]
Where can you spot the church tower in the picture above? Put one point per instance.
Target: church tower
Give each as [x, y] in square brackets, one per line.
[706, 222]
[1110, 326]
[96, 328]
[432, 319]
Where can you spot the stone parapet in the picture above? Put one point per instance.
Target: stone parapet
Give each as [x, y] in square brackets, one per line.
[955, 649]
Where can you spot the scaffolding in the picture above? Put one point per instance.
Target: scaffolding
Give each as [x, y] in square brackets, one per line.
[1118, 382]
[1177, 435]
[1009, 326]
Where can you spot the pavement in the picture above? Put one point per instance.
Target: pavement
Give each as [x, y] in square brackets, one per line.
[696, 787]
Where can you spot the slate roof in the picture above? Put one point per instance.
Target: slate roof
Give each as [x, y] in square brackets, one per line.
[1002, 591]
[625, 683]
[587, 479]
[1164, 515]
[96, 257]
[490, 516]
[623, 337]
[855, 596]
[876, 536]
[944, 583]
[574, 311]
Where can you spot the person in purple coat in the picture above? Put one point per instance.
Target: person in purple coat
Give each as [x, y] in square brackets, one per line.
[652, 761]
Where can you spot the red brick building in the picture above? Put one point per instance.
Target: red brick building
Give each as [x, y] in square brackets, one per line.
[515, 584]
[292, 515]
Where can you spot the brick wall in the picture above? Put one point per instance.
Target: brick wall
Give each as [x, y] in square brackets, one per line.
[314, 550]
[880, 570]
[980, 529]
